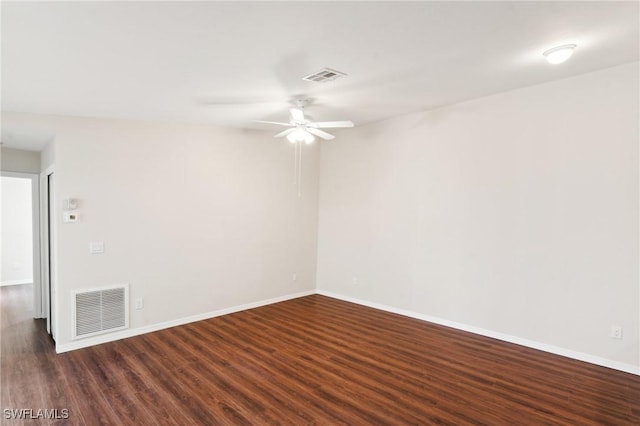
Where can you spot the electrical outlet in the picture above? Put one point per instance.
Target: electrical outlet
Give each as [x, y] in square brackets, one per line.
[616, 332]
[96, 247]
[139, 303]
[354, 280]
[295, 277]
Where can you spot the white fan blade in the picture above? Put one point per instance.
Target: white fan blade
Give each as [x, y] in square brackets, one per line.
[285, 133]
[273, 122]
[233, 101]
[297, 114]
[331, 124]
[324, 135]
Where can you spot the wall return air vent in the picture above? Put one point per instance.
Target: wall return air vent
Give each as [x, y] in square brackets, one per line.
[99, 311]
[324, 75]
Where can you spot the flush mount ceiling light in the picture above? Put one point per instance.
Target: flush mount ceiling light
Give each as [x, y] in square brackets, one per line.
[559, 54]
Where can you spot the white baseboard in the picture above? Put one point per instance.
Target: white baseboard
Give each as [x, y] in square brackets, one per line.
[84, 343]
[15, 282]
[604, 362]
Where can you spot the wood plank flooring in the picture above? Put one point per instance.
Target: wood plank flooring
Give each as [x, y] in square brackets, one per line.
[312, 360]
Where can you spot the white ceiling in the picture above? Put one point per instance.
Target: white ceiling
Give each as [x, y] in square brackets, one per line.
[207, 62]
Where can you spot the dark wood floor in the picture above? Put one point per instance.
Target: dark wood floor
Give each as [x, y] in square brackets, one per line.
[313, 360]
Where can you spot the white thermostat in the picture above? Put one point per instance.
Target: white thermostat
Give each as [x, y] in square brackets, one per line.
[70, 203]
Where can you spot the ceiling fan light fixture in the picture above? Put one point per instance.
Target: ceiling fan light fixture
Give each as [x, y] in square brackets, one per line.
[300, 135]
[559, 54]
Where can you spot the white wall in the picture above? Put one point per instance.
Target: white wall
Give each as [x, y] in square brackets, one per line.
[47, 156]
[196, 219]
[515, 213]
[16, 233]
[18, 160]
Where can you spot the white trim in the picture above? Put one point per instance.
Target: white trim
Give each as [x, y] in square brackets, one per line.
[15, 282]
[38, 311]
[604, 362]
[44, 249]
[580, 356]
[48, 312]
[66, 347]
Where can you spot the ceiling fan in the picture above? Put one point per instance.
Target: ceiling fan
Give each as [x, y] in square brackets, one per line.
[303, 130]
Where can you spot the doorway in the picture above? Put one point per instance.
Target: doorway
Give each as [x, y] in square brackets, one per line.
[21, 235]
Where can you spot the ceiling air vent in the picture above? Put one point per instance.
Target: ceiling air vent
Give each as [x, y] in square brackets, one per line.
[324, 75]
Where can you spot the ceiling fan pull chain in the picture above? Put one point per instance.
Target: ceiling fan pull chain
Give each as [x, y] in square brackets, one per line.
[295, 164]
[299, 169]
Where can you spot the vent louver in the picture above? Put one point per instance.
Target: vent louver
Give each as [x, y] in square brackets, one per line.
[100, 311]
[324, 75]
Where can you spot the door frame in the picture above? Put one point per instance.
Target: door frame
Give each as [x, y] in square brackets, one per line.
[38, 309]
[47, 250]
